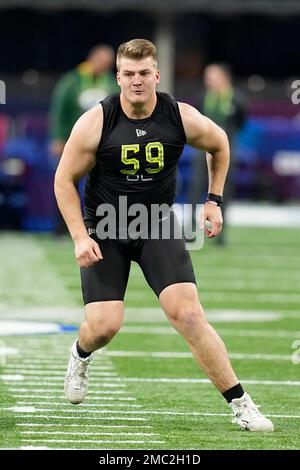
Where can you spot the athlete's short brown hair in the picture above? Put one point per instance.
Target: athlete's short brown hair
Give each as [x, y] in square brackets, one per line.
[136, 49]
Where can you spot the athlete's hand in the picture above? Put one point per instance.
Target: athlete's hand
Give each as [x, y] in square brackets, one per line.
[87, 252]
[213, 219]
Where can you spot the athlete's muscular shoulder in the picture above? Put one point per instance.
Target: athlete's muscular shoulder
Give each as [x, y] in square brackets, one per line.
[200, 131]
[79, 155]
[87, 131]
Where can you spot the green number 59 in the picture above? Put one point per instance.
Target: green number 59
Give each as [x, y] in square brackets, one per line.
[150, 150]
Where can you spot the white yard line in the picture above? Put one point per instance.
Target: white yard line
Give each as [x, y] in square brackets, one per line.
[84, 433]
[237, 283]
[75, 418]
[52, 365]
[167, 330]
[84, 405]
[140, 412]
[194, 413]
[58, 391]
[94, 441]
[177, 380]
[186, 355]
[41, 448]
[156, 315]
[228, 295]
[58, 383]
[17, 327]
[33, 380]
[62, 397]
[241, 270]
[118, 418]
[257, 298]
[260, 333]
[12, 377]
[267, 259]
[136, 314]
[28, 372]
[79, 425]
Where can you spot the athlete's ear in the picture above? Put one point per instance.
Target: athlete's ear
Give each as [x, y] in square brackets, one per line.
[157, 76]
[118, 78]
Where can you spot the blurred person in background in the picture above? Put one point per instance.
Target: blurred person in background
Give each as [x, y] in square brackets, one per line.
[77, 91]
[226, 106]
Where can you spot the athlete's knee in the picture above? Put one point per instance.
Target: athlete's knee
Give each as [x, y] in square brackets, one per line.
[103, 336]
[102, 333]
[188, 315]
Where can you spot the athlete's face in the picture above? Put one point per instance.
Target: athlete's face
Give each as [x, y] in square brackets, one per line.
[137, 79]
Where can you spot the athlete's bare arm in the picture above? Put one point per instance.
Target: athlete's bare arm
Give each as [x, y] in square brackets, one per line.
[202, 133]
[78, 158]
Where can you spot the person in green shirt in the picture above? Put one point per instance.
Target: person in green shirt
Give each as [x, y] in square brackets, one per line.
[77, 91]
[227, 107]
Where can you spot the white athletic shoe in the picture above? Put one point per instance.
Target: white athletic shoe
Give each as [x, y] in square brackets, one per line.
[77, 376]
[247, 416]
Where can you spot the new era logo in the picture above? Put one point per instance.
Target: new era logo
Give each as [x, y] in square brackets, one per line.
[139, 132]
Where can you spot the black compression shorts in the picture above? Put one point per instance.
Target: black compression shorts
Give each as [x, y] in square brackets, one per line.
[163, 261]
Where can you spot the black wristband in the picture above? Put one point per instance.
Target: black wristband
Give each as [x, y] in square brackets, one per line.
[215, 198]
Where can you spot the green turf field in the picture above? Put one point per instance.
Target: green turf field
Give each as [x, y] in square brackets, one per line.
[146, 391]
